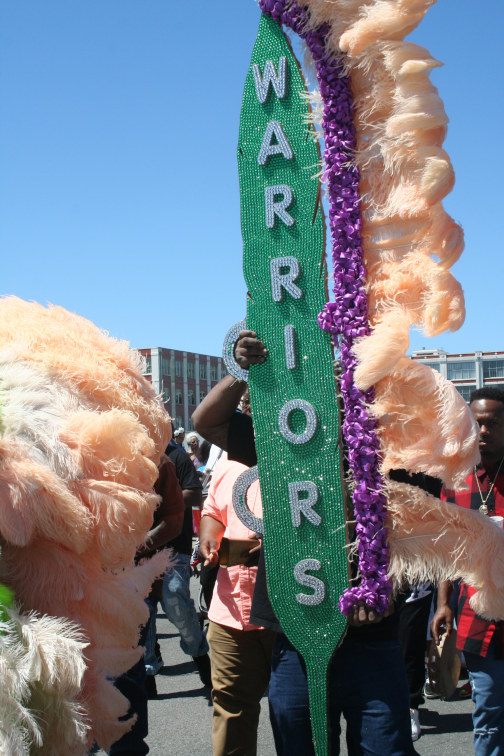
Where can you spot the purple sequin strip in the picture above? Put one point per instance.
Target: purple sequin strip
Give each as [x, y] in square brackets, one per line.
[347, 317]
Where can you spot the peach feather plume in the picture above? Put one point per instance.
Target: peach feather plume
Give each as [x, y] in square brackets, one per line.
[81, 434]
[409, 244]
[409, 241]
[457, 543]
[405, 172]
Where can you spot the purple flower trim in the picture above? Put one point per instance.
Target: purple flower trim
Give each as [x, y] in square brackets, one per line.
[347, 317]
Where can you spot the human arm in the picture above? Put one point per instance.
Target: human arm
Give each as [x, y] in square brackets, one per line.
[212, 417]
[443, 614]
[169, 515]
[210, 537]
[193, 498]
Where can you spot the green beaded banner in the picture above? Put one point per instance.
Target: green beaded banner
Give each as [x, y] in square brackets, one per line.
[293, 394]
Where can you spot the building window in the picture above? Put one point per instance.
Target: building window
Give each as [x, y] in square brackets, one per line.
[190, 396]
[458, 371]
[178, 396]
[202, 370]
[433, 365]
[166, 395]
[493, 369]
[165, 366]
[178, 368]
[465, 391]
[148, 365]
[178, 422]
[190, 426]
[213, 372]
[202, 395]
[190, 369]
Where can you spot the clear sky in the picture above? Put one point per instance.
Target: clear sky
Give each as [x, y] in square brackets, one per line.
[118, 178]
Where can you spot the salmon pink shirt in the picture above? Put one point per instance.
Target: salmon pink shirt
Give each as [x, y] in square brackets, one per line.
[234, 587]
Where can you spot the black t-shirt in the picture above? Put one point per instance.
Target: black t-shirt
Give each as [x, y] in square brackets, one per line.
[241, 448]
[188, 479]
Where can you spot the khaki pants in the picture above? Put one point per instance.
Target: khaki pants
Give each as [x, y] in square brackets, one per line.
[241, 664]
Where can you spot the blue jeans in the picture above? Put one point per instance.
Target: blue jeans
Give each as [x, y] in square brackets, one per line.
[179, 607]
[487, 680]
[367, 684]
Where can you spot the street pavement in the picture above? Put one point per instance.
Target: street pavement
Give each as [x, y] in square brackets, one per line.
[180, 718]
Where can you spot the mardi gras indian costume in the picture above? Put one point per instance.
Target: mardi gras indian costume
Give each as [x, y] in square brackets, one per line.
[386, 174]
[81, 433]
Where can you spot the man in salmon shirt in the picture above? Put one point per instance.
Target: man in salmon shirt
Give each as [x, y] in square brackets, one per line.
[481, 640]
[240, 651]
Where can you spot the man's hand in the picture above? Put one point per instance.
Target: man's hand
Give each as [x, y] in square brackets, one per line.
[249, 350]
[442, 618]
[210, 534]
[209, 551]
[443, 615]
[365, 615]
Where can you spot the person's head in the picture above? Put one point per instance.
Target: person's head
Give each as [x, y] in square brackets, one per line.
[178, 435]
[244, 405]
[192, 442]
[487, 406]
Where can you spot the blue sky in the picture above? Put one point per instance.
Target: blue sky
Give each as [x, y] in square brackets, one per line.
[119, 186]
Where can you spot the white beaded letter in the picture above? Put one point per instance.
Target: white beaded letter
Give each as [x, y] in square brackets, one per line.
[310, 582]
[303, 506]
[278, 208]
[227, 352]
[270, 76]
[311, 421]
[285, 281]
[282, 145]
[290, 349]
[240, 488]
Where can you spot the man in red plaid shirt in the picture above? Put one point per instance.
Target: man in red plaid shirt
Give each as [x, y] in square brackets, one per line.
[481, 640]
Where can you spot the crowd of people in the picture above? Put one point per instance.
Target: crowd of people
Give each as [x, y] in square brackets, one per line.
[377, 676]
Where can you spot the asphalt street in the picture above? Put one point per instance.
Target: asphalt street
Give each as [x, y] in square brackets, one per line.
[180, 718]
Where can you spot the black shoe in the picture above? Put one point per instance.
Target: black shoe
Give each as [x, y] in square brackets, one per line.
[203, 665]
[150, 687]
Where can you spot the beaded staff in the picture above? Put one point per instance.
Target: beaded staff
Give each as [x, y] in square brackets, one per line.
[297, 428]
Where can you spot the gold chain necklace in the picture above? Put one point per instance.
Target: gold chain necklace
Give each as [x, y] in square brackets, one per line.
[483, 508]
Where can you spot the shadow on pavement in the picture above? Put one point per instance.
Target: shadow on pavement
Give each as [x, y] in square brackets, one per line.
[175, 670]
[434, 723]
[195, 693]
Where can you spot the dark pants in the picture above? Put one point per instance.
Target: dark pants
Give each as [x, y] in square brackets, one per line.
[367, 684]
[413, 622]
[132, 686]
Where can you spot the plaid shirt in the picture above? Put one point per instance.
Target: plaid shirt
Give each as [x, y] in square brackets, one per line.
[473, 632]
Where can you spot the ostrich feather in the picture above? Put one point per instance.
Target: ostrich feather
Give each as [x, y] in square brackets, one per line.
[80, 438]
[433, 540]
[42, 667]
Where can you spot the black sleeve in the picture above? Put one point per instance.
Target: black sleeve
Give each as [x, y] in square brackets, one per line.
[241, 441]
[420, 480]
[186, 472]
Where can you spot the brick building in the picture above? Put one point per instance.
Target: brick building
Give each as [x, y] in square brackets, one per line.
[468, 370]
[183, 378]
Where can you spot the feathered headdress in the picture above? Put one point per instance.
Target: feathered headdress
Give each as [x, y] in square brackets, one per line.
[81, 433]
